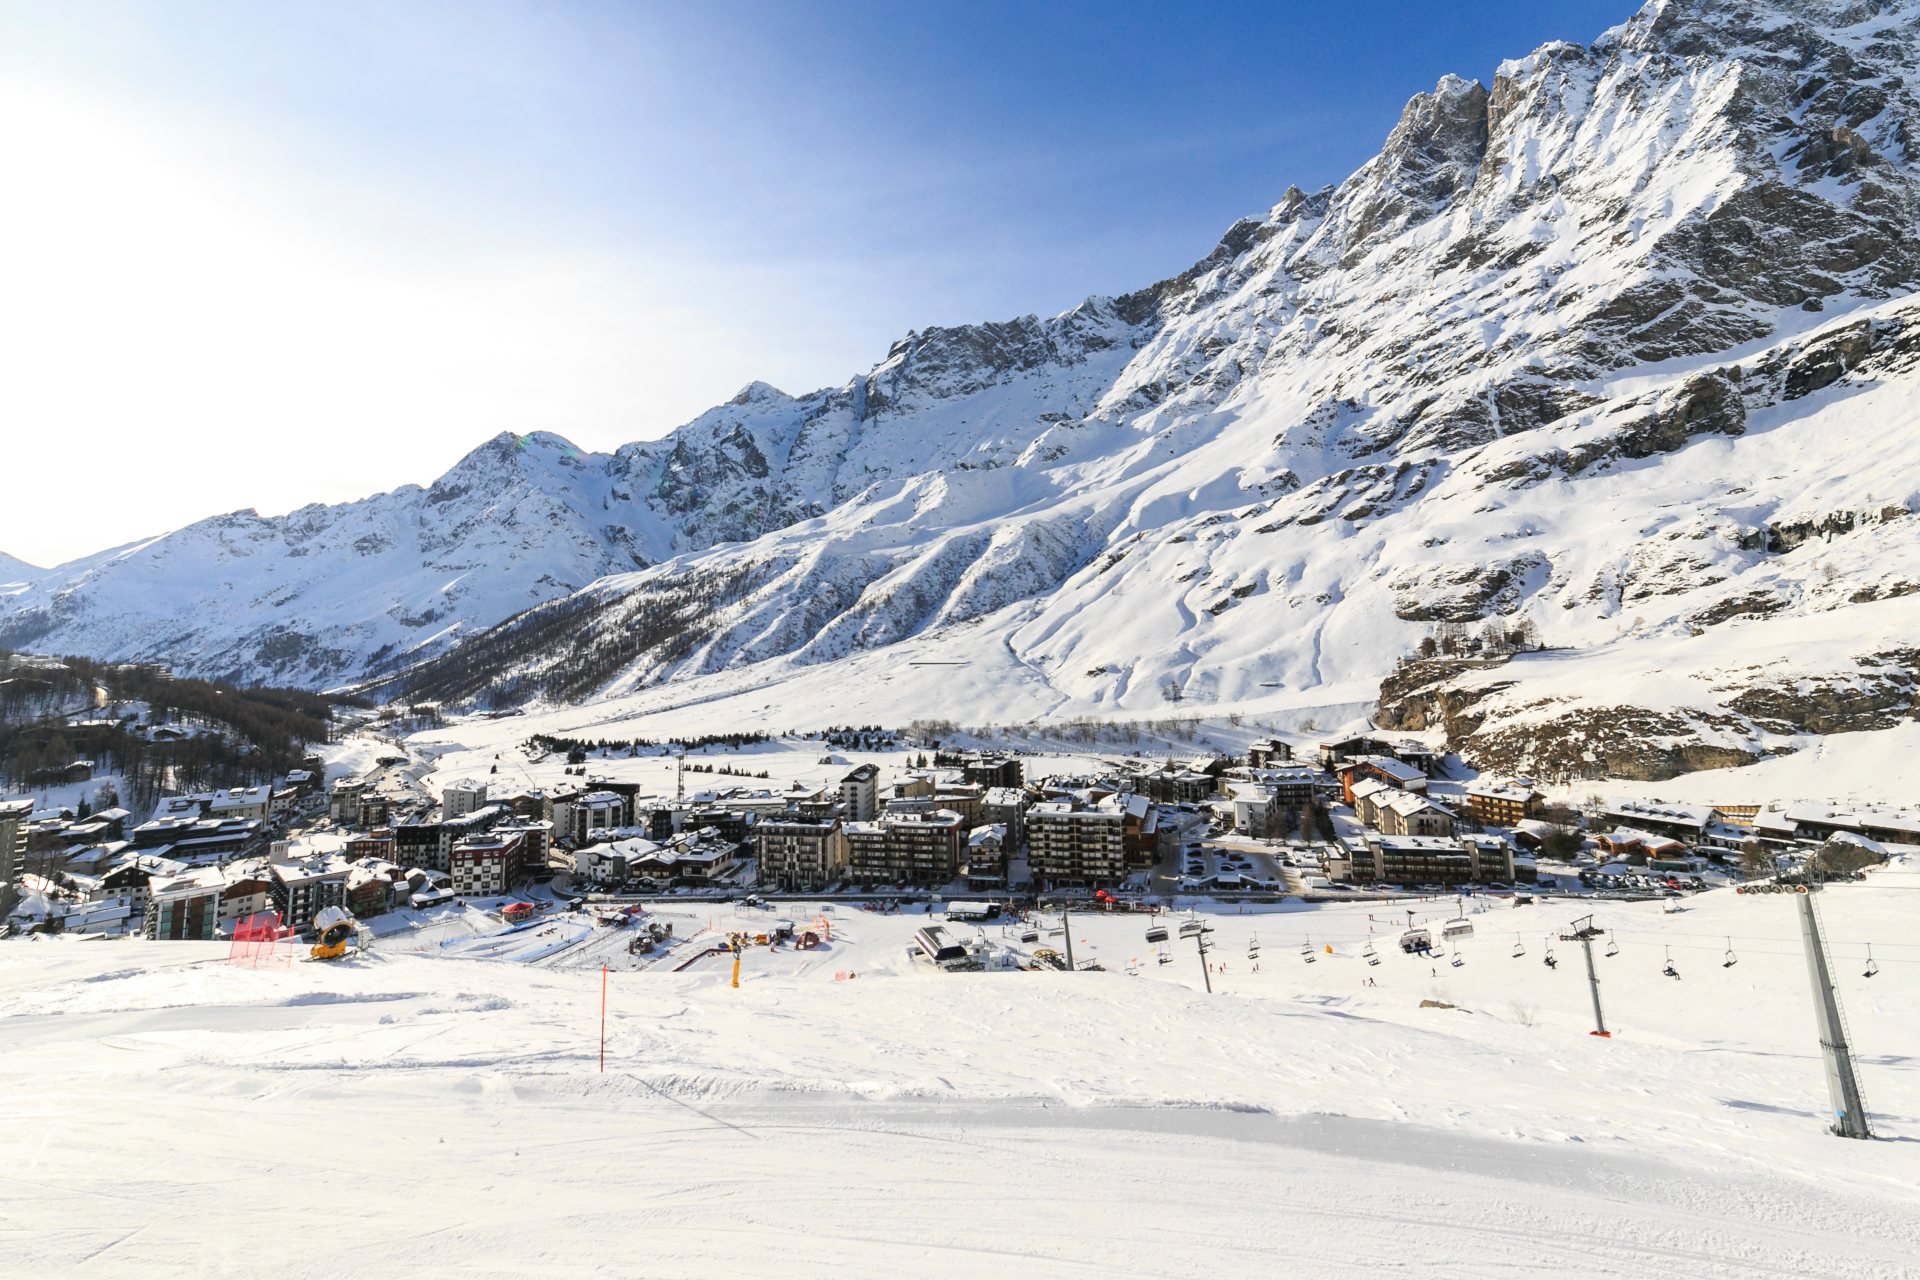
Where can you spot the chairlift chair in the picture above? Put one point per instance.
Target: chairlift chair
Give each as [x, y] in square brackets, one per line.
[1157, 933]
[1613, 947]
[1369, 954]
[1166, 957]
[1669, 970]
[1873, 966]
[1306, 952]
[1731, 959]
[1253, 947]
[1519, 947]
[1548, 959]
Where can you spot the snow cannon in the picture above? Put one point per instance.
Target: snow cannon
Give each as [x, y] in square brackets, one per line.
[335, 929]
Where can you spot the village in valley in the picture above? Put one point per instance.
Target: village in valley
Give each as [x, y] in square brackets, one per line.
[554, 850]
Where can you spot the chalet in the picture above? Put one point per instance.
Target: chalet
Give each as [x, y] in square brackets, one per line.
[1502, 804]
[237, 803]
[131, 881]
[986, 864]
[1171, 784]
[247, 892]
[1884, 824]
[1268, 752]
[1332, 753]
[1385, 768]
[197, 840]
[1686, 822]
[1642, 848]
[370, 892]
[1417, 755]
[1408, 813]
[1209, 763]
[691, 858]
[611, 862]
[372, 844]
[283, 801]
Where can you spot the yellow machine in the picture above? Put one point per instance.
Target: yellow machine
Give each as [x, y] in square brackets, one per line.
[335, 929]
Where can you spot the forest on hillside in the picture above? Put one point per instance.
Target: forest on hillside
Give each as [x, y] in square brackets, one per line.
[157, 734]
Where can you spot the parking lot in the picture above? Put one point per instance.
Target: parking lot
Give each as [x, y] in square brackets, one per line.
[1230, 863]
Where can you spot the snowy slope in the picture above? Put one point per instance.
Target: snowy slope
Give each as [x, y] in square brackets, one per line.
[1618, 348]
[1295, 1122]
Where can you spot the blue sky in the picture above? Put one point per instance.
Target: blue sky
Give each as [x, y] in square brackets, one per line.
[398, 228]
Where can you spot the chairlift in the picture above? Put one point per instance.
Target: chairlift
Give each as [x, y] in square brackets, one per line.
[1166, 956]
[1416, 942]
[1613, 947]
[1669, 970]
[1157, 933]
[1458, 959]
[1253, 947]
[1369, 954]
[1873, 966]
[1306, 952]
[1548, 959]
[1519, 947]
[1731, 959]
[1191, 928]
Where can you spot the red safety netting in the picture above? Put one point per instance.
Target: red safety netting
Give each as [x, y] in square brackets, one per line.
[257, 939]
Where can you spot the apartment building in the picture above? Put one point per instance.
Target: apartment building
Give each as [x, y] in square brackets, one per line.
[485, 866]
[1069, 846]
[907, 848]
[795, 854]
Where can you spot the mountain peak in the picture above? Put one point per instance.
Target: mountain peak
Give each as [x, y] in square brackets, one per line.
[758, 392]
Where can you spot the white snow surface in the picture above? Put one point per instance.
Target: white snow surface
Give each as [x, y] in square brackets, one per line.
[405, 1114]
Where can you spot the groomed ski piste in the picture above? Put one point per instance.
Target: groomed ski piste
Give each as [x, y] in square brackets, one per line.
[853, 1112]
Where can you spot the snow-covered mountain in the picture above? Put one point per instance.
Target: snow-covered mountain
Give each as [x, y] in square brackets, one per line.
[14, 571]
[1617, 351]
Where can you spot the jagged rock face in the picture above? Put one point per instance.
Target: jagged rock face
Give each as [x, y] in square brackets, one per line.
[1601, 347]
